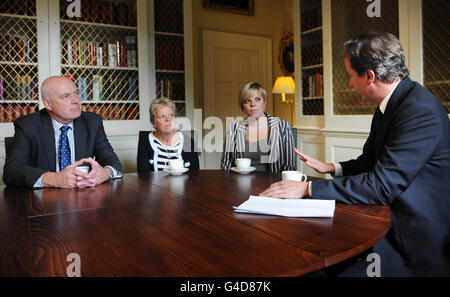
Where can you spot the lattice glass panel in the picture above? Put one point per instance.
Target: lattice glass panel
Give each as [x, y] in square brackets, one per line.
[99, 52]
[19, 83]
[348, 19]
[18, 7]
[312, 57]
[181, 109]
[436, 49]
[169, 16]
[122, 12]
[170, 85]
[169, 52]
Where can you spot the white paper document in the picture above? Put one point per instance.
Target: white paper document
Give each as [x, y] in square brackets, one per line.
[287, 207]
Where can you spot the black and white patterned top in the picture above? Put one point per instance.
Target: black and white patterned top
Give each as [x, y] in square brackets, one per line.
[281, 156]
[163, 153]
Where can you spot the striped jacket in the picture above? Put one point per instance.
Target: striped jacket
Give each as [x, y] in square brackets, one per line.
[281, 142]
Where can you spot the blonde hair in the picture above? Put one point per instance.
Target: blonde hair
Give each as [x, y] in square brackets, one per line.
[157, 104]
[248, 90]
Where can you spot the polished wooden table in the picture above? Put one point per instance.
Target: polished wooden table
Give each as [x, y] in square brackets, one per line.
[160, 225]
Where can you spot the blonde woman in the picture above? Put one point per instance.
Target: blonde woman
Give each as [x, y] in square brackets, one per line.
[266, 140]
[156, 148]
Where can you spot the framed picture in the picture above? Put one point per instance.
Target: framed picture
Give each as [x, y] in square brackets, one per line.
[286, 54]
[246, 7]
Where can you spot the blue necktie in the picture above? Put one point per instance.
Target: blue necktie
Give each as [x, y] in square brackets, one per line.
[64, 149]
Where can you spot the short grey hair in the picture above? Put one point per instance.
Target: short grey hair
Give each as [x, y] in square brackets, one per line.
[248, 90]
[380, 52]
[157, 104]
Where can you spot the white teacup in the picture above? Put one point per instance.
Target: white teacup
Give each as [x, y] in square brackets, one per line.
[293, 175]
[243, 163]
[176, 165]
[85, 169]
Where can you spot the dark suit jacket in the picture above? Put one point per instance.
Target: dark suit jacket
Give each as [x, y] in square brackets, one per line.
[145, 153]
[34, 153]
[405, 164]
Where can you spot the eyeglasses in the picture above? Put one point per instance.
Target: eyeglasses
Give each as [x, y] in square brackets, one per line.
[169, 116]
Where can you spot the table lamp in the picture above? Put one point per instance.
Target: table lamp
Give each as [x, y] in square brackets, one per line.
[284, 85]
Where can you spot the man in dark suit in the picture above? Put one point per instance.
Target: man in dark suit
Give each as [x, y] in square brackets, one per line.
[51, 143]
[405, 162]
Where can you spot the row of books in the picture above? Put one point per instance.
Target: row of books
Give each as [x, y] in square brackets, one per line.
[9, 113]
[114, 111]
[312, 54]
[22, 87]
[16, 48]
[120, 54]
[98, 88]
[311, 18]
[172, 89]
[169, 54]
[104, 12]
[313, 85]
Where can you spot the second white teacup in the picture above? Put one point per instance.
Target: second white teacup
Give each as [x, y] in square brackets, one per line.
[243, 163]
[294, 175]
[175, 165]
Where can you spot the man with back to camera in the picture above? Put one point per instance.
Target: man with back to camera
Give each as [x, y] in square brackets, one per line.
[405, 163]
[51, 143]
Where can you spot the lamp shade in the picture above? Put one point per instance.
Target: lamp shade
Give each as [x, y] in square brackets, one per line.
[284, 85]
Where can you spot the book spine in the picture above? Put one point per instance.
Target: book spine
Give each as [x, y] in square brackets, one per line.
[80, 52]
[69, 52]
[112, 62]
[83, 88]
[2, 89]
[97, 87]
[92, 53]
[99, 56]
[74, 52]
[118, 57]
[132, 86]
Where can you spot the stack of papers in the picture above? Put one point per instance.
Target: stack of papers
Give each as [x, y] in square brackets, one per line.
[287, 207]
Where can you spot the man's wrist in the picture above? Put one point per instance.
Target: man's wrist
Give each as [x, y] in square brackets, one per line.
[48, 179]
[331, 168]
[110, 172]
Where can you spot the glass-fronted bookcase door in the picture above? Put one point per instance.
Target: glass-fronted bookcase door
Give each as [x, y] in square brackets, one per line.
[173, 53]
[99, 52]
[19, 91]
[169, 52]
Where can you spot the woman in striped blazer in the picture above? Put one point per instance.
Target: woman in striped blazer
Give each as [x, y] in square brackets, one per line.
[156, 148]
[266, 140]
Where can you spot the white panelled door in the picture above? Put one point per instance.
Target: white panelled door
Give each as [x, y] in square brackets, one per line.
[230, 61]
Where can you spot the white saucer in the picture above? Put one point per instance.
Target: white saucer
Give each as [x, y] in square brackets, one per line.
[243, 171]
[176, 172]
